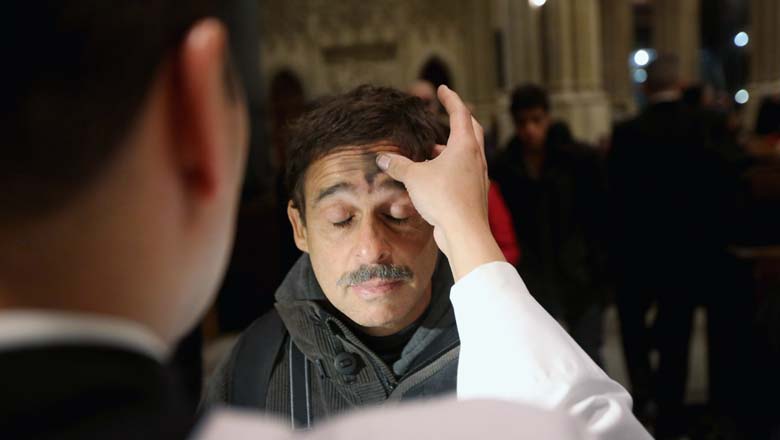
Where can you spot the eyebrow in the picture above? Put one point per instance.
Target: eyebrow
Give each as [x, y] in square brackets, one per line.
[333, 189]
[389, 184]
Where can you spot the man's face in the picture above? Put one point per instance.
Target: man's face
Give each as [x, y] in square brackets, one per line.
[531, 126]
[372, 253]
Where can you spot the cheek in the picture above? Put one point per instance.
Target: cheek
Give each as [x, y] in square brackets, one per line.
[329, 258]
[417, 249]
[416, 236]
[427, 259]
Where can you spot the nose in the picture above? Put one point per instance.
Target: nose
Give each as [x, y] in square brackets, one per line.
[372, 244]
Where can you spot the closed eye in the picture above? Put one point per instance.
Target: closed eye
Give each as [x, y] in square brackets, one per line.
[394, 220]
[344, 223]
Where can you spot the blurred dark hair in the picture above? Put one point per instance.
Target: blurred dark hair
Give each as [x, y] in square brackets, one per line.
[363, 116]
[527, 97]
[80, 72]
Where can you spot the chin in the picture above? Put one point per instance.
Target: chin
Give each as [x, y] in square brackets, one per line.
[380, 317]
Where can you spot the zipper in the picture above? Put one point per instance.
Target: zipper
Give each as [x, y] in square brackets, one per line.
[383, 378]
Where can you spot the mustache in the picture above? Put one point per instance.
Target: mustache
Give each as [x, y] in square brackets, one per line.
[365, 272]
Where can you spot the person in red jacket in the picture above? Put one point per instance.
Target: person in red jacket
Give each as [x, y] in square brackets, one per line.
[501, 225]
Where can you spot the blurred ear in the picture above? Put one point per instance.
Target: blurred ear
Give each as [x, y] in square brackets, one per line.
[299, 229]
[203, 111]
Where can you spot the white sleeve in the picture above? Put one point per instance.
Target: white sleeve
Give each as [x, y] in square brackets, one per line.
[512, 349]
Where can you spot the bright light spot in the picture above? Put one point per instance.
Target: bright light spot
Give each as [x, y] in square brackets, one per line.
[741, 96]
[741, 39]
[537, 3]
[640, 75]
[641, 57]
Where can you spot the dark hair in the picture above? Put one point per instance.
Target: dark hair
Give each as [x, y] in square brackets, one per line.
[527, 97]
[81, 69]
[363, 116]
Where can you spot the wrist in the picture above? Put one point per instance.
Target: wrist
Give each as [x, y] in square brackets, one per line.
[470, 244]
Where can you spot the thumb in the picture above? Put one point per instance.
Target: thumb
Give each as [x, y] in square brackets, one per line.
[395, 165]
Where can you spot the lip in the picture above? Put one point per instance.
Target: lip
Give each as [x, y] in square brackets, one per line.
[376, 288]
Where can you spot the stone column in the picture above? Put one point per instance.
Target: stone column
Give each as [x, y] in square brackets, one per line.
[480, 53]
[617, 36]
[524, 57]
[572, 47]
[558, 46]
[764, 47]
[521, 26]
[676, 31]
[587, 45]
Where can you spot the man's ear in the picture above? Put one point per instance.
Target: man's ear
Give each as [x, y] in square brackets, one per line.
[201, 109]
[299, 228]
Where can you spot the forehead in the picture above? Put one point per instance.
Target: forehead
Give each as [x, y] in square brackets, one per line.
[355, 166]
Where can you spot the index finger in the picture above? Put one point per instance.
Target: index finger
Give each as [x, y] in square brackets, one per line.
[460, 116]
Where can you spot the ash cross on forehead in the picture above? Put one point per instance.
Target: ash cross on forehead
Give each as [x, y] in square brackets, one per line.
[370, 168]
[367, 162]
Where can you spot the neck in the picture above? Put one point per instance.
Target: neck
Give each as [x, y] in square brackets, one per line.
[534, 160]
[69, 262]
[534, 153]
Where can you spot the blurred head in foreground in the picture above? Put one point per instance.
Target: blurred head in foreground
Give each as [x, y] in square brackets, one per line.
[126, 132]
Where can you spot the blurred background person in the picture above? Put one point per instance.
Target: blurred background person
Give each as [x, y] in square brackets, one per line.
[501, 224]
[555, 191]
[120, 179]
[669, 200]
[426, 91]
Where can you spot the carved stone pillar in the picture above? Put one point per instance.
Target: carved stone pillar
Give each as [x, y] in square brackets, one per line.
[480, 55]
[764, 47]
[558, 46]
[617, 35]
[572, 47]
[676, 31]
[524, 58]
[521, 25]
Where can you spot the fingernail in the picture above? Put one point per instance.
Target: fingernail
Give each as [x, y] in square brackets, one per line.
[383, 161]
